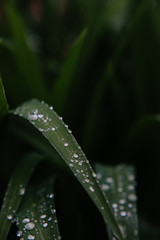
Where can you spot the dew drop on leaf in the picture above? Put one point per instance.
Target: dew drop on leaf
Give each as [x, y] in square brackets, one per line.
[19, 233]
[31, 237]
[26, 220]
[29, 226]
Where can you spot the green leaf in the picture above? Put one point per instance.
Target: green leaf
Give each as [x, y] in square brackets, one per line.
[118, 184]
[15, 191]
[3, 101]
[45, 119]
[25, 58]
[64, 83]
[36, 218]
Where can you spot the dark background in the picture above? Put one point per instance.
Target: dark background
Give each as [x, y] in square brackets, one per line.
[112, 105]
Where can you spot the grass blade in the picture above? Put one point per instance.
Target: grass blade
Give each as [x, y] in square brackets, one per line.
[45, 119]
[15, 191]
[3, 101]
[24, 56]
[118, 183]
[36, 218]
[64, 83]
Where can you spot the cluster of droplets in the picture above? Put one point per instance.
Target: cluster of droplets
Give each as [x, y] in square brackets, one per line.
[29, 223]
[123, 188]
[78, 162]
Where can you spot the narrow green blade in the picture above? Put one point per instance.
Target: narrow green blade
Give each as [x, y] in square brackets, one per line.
[3, 101]
[45, 119]
[64, 83]
[36, 218]
[15, 191]
[118, 184]
[25, 58]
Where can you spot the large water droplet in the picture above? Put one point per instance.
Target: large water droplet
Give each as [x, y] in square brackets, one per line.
[31, 237]
[75, 155]
[132, 197]
[29, 226]
[45, 225]
[43, 216]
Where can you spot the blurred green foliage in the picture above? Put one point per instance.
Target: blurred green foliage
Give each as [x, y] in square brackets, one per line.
[112, 97]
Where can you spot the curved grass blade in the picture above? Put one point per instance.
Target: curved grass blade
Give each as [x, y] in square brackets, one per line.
[64, 83]
[118, 183]
[36, 218]
[45, 119]
[15, 191]
[3, 101]
[25, 58]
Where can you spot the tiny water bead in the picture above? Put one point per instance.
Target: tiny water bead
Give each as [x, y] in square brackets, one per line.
[21, 191]
[43, 216]
[19, 233]
[75, 155]
[29, 226]
[9, 216]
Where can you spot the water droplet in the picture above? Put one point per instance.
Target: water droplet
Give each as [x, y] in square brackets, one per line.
[40, 115]
[55, 221]
[29, 226]
[49, 219]
[43, 216]
[31, 237]
[130, 205]
[109, 180]
[94, 174]
[19, 233]
[75, 155]
[122, 201]
[71, 165]
[53, 129]
[99, 175]
[86, 180]
[123, 214]
[105, 187]
[53, 211]
[91, 189]
[21, 191]
[65, 144]
[10, 216]
[45, 225]
[41, 129]
[114, 205]
[51, 108]
[131, 187]
[32, 117]
[130, 177]
[132, 197]
[120, 189]
[26, 220]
